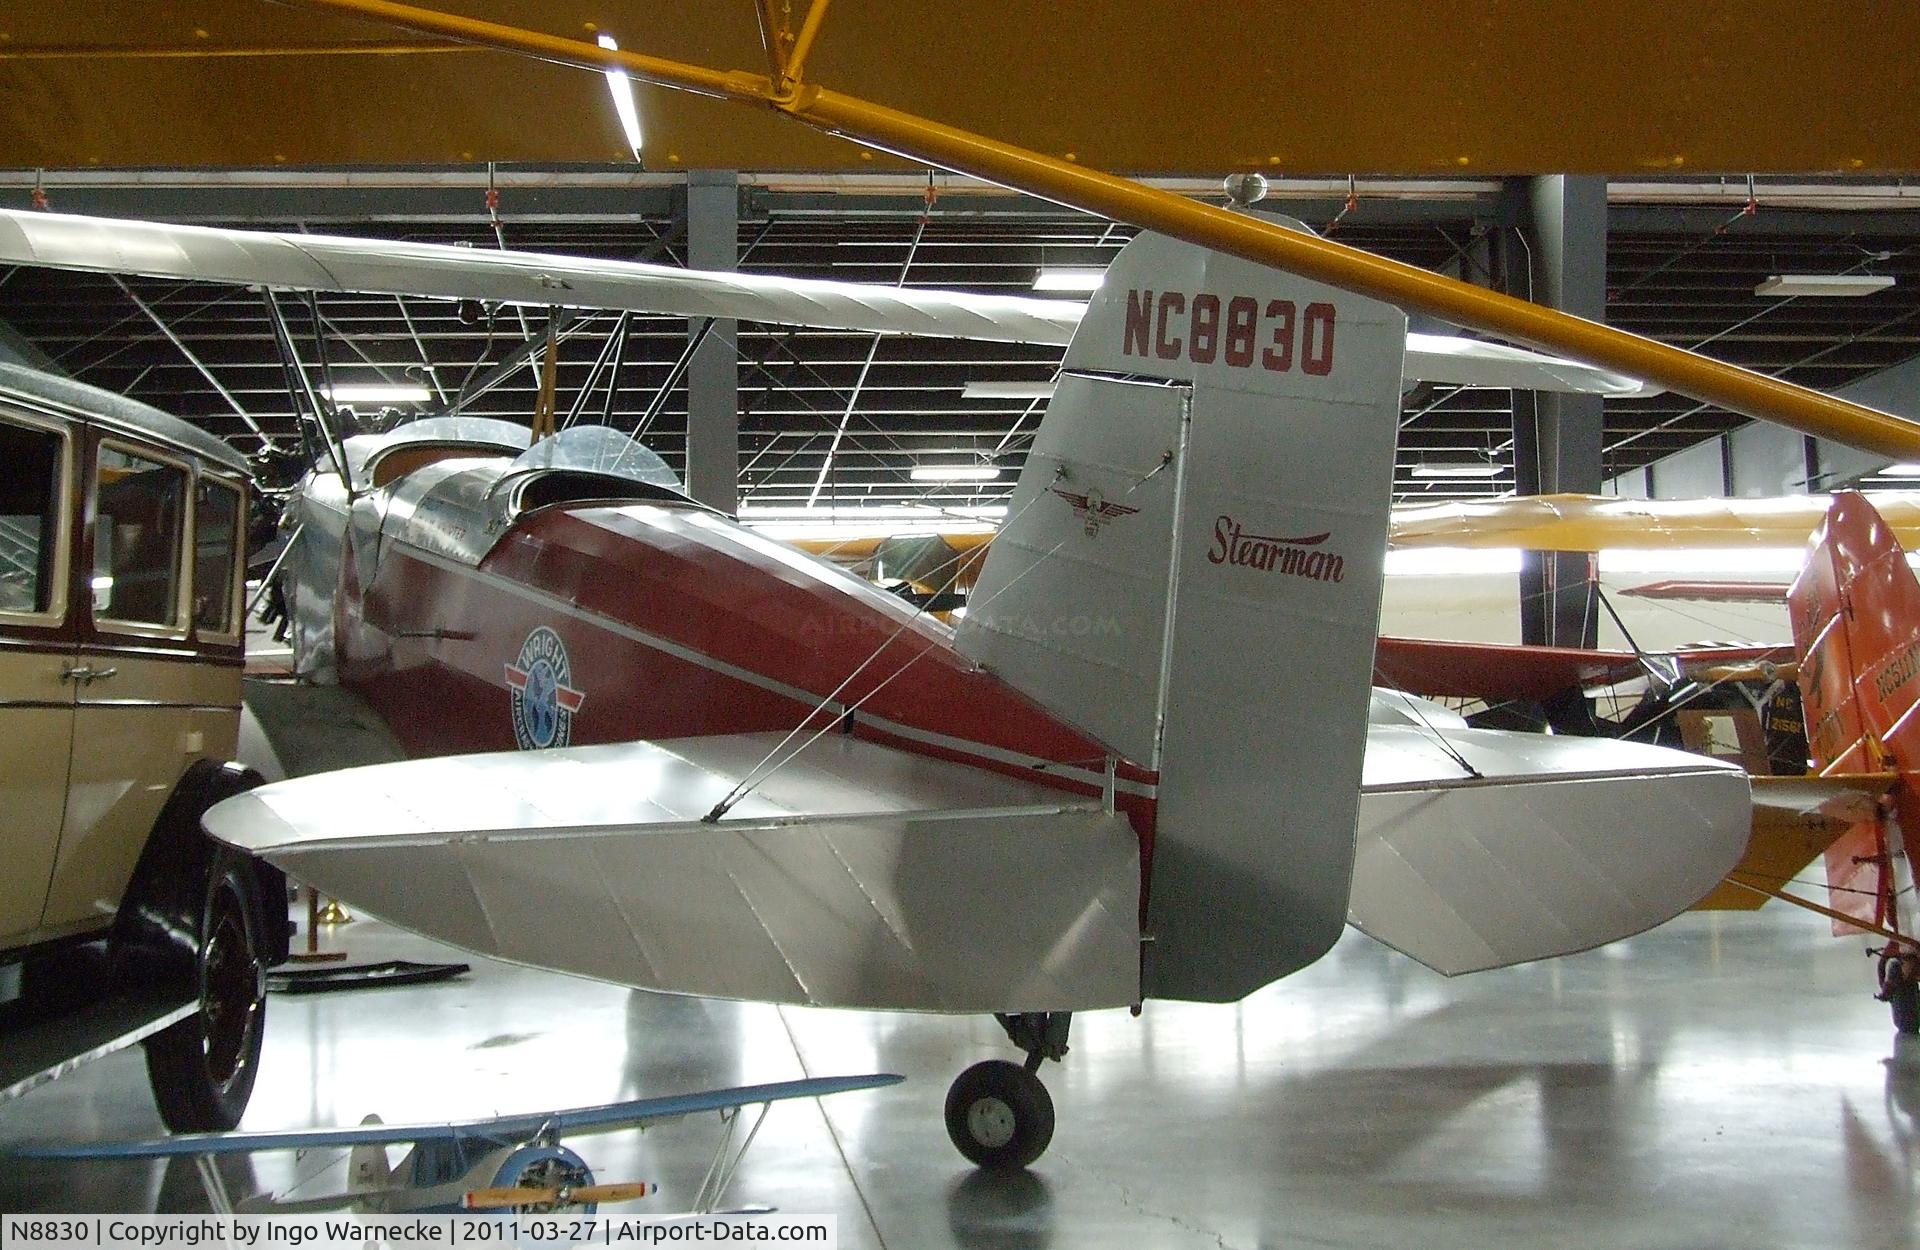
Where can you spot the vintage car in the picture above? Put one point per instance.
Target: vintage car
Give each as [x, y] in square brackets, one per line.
[121, 651]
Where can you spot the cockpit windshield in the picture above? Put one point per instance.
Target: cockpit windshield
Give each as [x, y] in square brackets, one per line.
[599, 449]
[487, 435]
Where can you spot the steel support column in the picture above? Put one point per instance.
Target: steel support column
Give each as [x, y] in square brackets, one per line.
[1557, 438]
[713, 376]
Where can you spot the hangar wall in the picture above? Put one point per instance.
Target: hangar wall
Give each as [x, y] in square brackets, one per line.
[1759, 460]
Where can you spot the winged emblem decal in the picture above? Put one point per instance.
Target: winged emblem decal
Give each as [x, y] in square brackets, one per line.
[1093, 508]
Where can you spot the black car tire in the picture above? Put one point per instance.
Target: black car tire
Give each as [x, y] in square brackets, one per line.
[203, 1067]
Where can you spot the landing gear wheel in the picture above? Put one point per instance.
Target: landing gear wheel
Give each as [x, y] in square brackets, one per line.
[202, 1068]
[999, 1115]
[1900, 987]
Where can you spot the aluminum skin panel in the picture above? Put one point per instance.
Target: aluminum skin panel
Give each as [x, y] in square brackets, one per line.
[1560, 845]
[1071, 605]
[857, 876]
[1278, 528]
[316, 524]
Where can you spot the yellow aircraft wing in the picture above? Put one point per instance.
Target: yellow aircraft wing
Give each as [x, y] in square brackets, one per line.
[1795, 819]
[1601, 522]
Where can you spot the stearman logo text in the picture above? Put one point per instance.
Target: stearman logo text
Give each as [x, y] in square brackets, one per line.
[1288, 556]
[543, 701]
[1094, 509]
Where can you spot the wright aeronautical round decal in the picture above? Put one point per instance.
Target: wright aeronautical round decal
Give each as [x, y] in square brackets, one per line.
[543, 701]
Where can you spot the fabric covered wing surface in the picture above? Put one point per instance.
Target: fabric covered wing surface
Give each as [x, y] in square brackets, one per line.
[858, 876]
[1562, 844]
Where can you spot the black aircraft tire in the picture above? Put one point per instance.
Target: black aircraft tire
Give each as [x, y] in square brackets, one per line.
[999, 1115]
[202, 1068]
[1901, 988]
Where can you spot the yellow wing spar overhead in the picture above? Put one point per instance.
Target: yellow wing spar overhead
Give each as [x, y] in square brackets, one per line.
[1413, 289]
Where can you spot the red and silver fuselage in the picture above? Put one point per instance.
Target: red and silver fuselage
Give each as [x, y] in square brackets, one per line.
[514, 623]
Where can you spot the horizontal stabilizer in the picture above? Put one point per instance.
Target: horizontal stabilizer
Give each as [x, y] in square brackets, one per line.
[509, 1128]
[855, 875]
[1560, 844]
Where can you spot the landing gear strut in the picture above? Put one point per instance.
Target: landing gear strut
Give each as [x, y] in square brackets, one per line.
[1900, 988]
[999, 1115]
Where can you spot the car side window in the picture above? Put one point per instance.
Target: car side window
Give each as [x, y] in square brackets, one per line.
[216, 530]
[139, 519]
[31, 500]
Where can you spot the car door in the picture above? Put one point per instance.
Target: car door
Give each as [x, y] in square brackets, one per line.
[38, 502]
[141, 687]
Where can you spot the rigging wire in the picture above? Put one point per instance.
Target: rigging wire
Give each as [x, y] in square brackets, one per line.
[749, 782]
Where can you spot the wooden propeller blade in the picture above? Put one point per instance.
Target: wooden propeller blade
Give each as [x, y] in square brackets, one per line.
[499, 1196]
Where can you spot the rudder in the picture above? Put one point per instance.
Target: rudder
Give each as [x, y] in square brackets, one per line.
[1855, 610]
[1209, 494]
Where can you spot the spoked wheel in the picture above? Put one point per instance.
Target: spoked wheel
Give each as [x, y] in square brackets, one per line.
[1900, 990]
[203, 1067]
[999, 1115]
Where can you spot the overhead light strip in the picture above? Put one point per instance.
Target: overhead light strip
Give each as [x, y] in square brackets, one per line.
[1786, 285]
[377, 393]
[623, 101]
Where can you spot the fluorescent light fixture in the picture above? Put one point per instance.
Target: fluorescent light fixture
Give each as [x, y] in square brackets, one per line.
[1906, 468]
[1007, 390]
[1785, 284]
[1082, 280]
[955, 473]
[623, 103]
[378, 393]
[1457, 468]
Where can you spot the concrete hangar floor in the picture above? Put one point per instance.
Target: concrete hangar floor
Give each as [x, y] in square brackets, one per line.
[1722, 1081]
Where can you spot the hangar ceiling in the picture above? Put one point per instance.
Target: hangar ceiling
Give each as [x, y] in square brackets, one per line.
[832, 419]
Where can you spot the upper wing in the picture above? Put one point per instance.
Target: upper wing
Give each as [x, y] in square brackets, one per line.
[506, 1128]
[1597, 522]
[1475, 362]
[319, 262]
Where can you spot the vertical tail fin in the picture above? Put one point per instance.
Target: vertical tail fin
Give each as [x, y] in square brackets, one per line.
[1856, 626]
[1191, 573]
[367, 1167]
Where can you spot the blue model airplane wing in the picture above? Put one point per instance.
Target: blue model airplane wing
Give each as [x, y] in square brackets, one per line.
[509, 1128]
